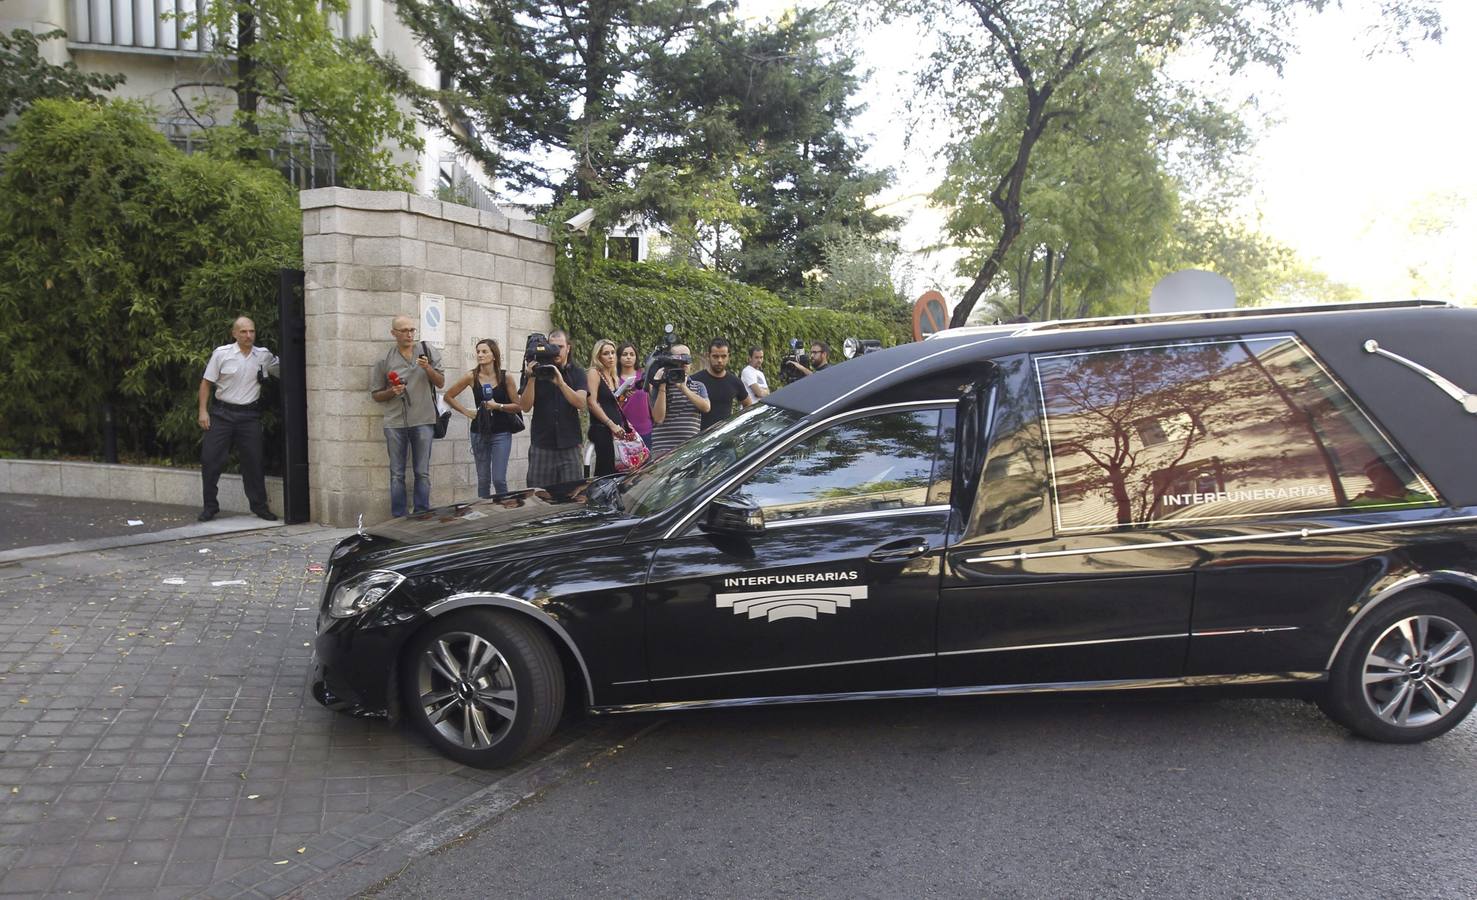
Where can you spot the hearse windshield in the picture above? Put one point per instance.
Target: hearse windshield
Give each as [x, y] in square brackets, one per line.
[682, 472]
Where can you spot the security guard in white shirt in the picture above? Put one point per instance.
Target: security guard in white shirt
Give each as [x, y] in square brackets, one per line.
[237, 371]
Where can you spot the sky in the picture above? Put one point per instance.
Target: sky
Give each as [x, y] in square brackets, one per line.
[1365, 166]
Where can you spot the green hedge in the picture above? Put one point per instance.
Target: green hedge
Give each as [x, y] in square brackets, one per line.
[122, 264]
[632, 301]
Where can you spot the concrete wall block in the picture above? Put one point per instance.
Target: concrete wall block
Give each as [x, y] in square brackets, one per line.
[184, 489]
[361, 222]
[522, 320]
[483, 292]
[540, 298]
[444, 258]
[538, 275]
[493, 220]
[425, 206]
[133, 483]
[517, 296]
[435, 230]
[512, 271]
[327, 248]
[83, 480]
[392, 200]
[464, 215]
[378, 251]
[412, 253]
[470, 237]
[477, 264]
[37, 477]
[373, 278]
[362, 353]
[543, 233]
[443, 284]
[310, 221]
[317, 197]
[524, 228]
[534, 251]
[502, 244]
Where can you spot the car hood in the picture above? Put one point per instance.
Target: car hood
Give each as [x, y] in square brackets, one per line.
[530, 517]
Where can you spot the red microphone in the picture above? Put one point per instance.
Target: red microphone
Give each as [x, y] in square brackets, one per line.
[394, 377]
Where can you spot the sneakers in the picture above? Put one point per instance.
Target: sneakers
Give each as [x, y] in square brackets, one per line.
[207, 514]
[265, 513]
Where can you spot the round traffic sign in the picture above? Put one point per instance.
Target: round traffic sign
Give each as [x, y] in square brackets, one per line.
[930, 314]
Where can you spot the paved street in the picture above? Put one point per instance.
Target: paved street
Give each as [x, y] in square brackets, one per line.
[155, 736]
[975, 797]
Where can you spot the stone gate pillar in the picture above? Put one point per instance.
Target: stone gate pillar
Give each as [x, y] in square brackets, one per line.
[368, 256]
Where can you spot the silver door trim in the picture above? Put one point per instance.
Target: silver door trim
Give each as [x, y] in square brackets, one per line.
[1300, 534]
[1147, 637]
[823, 665]
[1117, 684]
[865, 514]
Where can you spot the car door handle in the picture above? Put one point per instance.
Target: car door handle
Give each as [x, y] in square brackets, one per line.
[899, 551]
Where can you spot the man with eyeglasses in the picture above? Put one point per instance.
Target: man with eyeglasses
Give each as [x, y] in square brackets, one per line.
[404, 383]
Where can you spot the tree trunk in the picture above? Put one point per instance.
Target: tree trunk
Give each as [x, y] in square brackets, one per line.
[247, 99]
[1007, 199]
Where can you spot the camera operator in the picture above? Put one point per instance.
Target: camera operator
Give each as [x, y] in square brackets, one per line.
[820, 358]
[724, 388]
[676, 414]
[556, 400]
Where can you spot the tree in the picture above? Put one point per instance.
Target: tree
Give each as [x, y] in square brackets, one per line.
[122, 262]
[731, 135]
[1023, 68]
[25, 76]
[289, 71]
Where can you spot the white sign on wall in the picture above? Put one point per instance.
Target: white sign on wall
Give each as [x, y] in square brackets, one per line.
[433, 319]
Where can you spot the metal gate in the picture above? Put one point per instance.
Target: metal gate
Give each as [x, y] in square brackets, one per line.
[292, 319]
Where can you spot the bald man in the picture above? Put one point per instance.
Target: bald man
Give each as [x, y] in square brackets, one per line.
[237, 371]
[408, 401]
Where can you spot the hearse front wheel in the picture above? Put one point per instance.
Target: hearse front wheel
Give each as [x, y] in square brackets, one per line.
[1405, 673]
[484, 686]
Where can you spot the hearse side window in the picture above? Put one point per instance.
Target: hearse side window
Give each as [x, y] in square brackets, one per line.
[1011, 502]
[1210, 430]
[879, 462]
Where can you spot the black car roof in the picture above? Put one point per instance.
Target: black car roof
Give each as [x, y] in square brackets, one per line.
[1429, 425]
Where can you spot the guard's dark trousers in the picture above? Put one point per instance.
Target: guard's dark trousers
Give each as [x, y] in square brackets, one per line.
[242, 427]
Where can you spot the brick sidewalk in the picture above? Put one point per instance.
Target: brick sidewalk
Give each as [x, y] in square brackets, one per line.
[157, 739]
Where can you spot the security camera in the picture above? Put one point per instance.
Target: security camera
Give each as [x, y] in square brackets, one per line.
[581, 220]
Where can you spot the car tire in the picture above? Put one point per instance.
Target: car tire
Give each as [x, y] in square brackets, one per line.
[484, 686]
[1406, 673]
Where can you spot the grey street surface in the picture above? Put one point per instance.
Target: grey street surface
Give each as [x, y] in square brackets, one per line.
[1146, 797]
[156, 740]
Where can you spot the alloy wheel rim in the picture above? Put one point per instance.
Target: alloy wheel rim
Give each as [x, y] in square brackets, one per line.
[1418, 671]
[466, 690]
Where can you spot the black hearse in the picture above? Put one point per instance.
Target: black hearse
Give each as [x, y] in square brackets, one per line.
[1250, 497]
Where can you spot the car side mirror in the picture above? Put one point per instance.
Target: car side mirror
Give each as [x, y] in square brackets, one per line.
[734, 514]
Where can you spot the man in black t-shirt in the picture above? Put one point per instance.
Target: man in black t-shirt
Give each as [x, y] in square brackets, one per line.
[724, 387]
[554, 436]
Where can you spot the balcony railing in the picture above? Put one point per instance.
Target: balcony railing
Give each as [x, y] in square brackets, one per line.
[149, 26]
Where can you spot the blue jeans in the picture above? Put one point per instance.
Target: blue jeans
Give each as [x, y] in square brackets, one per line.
[416, 439]
[491, 450]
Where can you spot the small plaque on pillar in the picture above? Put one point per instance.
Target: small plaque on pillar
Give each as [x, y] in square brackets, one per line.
[433, 319]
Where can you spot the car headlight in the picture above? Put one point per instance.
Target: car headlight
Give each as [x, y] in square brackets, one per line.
[362, 591]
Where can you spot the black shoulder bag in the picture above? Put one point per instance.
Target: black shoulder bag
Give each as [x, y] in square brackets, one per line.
[443, 419]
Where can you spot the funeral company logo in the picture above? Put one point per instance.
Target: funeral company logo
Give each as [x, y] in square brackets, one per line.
[819, 592]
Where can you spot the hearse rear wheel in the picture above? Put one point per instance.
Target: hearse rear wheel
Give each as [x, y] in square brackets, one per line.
[1405, 674]
[484, 686]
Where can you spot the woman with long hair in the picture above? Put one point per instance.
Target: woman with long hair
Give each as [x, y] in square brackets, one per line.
[631, 391]
[606, 420]
[495, 403]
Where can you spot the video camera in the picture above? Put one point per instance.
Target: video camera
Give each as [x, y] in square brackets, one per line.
[796, 357]
[545, 356]
[663, 358]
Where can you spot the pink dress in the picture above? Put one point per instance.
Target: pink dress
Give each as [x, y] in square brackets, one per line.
[636, 405]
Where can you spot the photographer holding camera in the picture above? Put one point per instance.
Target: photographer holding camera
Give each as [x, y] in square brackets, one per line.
[549, 389]
[820, 358]
[676, 413]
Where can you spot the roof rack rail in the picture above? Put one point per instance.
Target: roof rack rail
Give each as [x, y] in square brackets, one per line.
[1247, 312]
